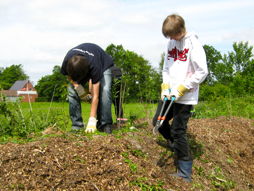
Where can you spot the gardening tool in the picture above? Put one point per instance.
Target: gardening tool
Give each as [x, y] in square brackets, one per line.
[162, 116]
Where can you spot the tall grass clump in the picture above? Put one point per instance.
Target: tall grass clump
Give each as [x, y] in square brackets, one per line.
[226, 106]
[21, 121]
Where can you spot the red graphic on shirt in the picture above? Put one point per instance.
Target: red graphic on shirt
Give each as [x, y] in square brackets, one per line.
[178, 54]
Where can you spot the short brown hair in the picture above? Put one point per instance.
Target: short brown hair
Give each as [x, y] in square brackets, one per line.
[173, 25]
[78, 68]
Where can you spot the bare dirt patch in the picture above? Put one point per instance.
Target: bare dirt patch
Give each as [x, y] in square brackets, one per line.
[223, 149]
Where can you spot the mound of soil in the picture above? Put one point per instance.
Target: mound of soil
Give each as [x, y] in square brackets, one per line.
[223, 149]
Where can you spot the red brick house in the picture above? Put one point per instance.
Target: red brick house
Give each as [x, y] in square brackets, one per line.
[23, 89]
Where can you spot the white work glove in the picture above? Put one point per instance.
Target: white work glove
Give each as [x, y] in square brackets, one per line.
[80, 91]
[165, 90]
[91, 125]
[178, 92]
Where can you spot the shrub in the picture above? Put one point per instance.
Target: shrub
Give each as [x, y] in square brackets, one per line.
[211, 93]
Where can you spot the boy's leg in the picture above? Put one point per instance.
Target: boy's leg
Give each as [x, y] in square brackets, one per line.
[75, 108]
[104, 114]
[178, 131]
[181, 147]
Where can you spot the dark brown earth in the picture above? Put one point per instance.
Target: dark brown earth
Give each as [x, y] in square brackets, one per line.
[136, 160]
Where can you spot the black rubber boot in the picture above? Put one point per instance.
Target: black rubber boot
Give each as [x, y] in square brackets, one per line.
[184, 170]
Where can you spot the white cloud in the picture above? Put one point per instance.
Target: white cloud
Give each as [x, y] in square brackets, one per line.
[39, 33]
[207, 7]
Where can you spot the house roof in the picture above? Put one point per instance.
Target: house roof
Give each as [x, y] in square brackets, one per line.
[19, 84]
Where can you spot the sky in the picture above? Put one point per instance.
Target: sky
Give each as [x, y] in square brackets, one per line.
[38, 33]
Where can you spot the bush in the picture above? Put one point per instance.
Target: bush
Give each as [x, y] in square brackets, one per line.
[42, 99]
[212, 93]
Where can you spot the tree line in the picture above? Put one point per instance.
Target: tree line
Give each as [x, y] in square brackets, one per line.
[230, 74]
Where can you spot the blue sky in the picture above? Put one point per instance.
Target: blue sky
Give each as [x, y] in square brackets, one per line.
[38, 33]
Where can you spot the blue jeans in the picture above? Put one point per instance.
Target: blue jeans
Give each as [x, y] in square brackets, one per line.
[104, 115]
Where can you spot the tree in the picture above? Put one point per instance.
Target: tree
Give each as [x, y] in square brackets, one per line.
[248, 74]
[161, 66]
[10, 75]
[214, 59]
[52, 86]
[139, 78]
[233, 70]
[219, 67]
[241, 56]
[241, 60]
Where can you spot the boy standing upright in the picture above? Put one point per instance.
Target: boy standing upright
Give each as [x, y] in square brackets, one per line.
[184, 69]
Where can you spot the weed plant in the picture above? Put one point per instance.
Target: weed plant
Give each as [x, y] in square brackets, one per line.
[145, 185]
[25, 120]
[241, 107]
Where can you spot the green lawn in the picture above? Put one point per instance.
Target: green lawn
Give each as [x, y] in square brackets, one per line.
[24, 119]
[138, 110]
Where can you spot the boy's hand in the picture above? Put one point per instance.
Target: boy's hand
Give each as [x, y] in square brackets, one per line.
[91, 126]
[179, 92]
[165, 90]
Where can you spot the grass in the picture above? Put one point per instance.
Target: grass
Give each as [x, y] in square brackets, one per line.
[20, 120]
[240, 107]
[137, 110]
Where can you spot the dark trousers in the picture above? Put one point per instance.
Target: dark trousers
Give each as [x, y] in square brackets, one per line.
[117, 99]
[176, 131]
[118, 107]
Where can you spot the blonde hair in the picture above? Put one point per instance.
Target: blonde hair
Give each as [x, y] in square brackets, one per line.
[173, 25]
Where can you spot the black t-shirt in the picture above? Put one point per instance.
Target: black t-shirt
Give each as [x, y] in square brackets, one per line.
[99, 60]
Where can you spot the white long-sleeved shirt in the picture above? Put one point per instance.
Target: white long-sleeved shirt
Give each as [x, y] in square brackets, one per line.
[185, 63]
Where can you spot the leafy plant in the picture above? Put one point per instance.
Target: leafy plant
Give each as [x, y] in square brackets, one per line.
[220, 181]
[138, 153]
[144, 185]
[132, 165]
[22, 123]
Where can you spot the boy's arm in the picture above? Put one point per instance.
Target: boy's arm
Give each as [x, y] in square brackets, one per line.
[165, 87]
[198, 59]
[92, 122]
[165, 69]
[95, 90]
